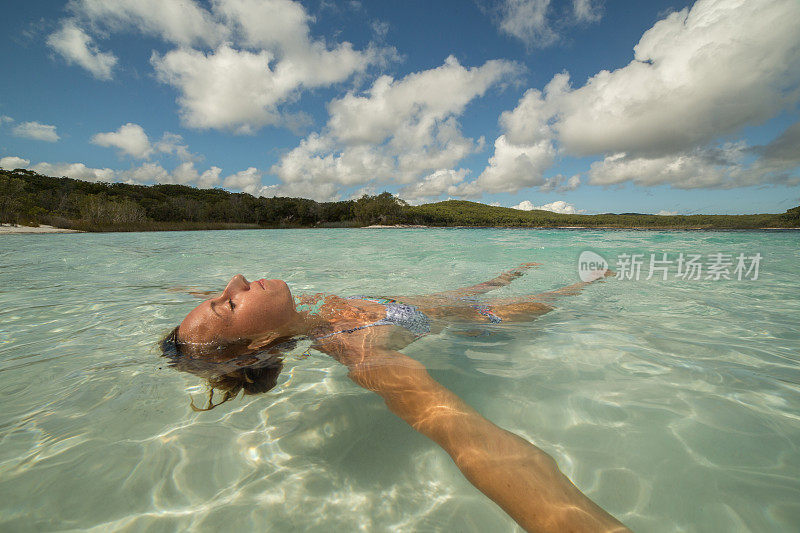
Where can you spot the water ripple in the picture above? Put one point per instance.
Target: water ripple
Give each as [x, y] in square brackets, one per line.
[674, 405]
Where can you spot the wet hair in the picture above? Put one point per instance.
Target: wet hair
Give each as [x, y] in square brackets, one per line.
[229, 368]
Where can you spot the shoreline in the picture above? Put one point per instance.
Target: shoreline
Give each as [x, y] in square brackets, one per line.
[13, 229]
[402, 226]
[287, 213]
[643, 228]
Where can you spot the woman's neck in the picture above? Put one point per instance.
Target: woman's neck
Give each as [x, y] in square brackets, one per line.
[304, 323]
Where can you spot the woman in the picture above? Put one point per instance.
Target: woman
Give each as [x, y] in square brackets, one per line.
[249, 319]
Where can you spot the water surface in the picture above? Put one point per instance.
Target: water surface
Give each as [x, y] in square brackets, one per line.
[673, 404]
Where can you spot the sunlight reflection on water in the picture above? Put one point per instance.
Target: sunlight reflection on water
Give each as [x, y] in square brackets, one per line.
[673, 404]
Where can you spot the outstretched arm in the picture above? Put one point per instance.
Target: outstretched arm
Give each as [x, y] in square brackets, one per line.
[571, 290]
[530, 307]
[522, 479]
[481, 288]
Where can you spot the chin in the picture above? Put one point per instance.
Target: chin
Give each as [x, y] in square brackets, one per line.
[282, 287]
[280, 284]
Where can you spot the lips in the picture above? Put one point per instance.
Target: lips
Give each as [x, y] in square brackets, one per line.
[261, 282]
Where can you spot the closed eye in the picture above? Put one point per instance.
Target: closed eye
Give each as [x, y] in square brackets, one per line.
[233, 305]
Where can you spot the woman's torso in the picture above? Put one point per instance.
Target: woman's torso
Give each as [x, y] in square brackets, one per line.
[409, 317]
[342, 315]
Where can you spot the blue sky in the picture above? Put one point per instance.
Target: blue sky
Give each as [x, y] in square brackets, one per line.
[577, 106]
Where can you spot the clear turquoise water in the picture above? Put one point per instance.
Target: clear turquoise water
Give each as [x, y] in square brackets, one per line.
[673, 404]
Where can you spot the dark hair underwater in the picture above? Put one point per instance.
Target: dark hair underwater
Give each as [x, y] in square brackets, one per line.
[232, 370]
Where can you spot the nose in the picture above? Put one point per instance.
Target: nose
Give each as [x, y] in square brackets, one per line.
[237, 283]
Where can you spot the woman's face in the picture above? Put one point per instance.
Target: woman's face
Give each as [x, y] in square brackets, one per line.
[244, 310]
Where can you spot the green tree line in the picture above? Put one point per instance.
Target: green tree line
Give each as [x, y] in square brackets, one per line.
[29, 198]
[463, 213]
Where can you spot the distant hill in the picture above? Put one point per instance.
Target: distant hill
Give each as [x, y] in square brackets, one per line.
[464, 213]
[29, 198]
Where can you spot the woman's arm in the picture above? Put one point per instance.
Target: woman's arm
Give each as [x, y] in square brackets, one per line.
[515, 474]
[495, 283]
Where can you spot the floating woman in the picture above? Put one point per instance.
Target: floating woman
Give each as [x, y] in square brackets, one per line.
[235, 340]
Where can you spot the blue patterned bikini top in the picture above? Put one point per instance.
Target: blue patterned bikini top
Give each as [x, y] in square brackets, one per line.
[397, 314]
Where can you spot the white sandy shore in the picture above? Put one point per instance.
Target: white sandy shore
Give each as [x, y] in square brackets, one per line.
[396, 226]
[44, 228]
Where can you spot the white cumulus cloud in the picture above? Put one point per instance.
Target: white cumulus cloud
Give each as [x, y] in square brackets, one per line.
[13, 163]
[586, 10]
[236, 62]
[396, 131]
[538, 23]
[225, 89]
[129, 138]
[77, 47]
[558, 206]
[435, 184]
[697, 76]
[172, 143]
[693, 170]
[150, 172]
[561, 183]
[282, 27]
[527, 20]
[184, 174]
[146, 173]
[241, 88]
[723, 166]
[183, 22]
[77, 171]
[523, 152]
[321, 192]
[37, 131]
[513, 167]
[248, 181]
